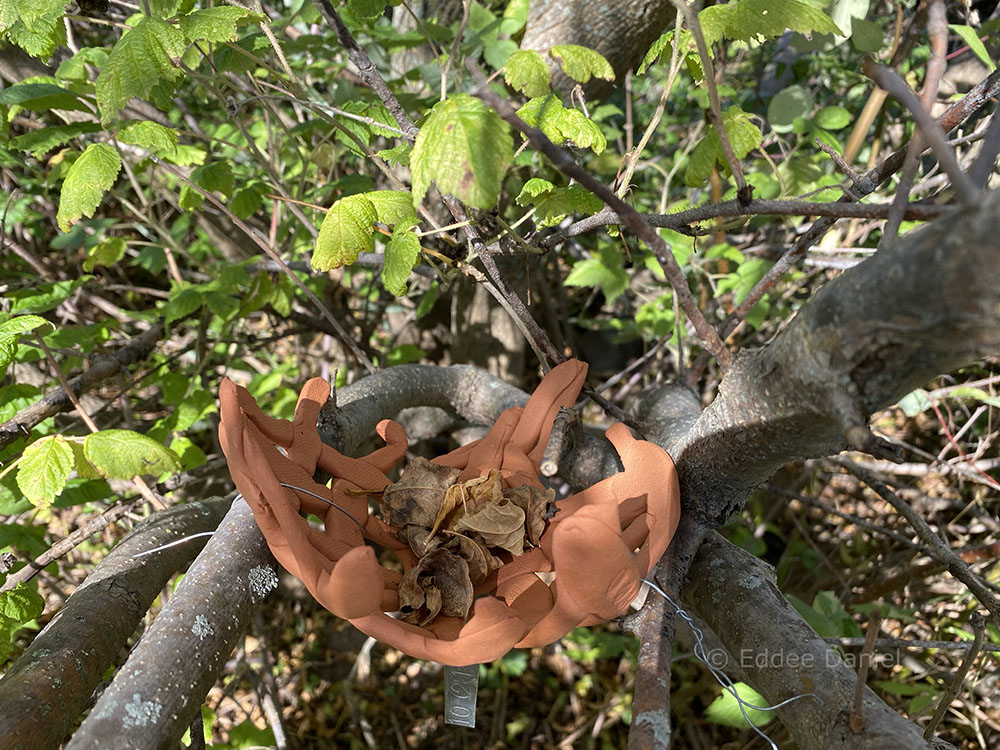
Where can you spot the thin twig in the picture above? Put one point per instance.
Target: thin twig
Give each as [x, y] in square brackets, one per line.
[982, 168]
[857, 713]
[630, 217]
[888, 79]
[715, 107]
[978, 626]
[936, 546]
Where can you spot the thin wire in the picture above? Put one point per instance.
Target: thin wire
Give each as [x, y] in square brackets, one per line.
[325, 500]
[721, 677]
[173, 543]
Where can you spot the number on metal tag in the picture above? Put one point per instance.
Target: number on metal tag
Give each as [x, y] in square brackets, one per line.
[460, 687]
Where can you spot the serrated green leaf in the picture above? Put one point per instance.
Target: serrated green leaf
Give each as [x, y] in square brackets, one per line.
[40, 142]
[41, 40]
[141, 59]
[465, 148]
[971, 37]
[44, 468]
[106, 253]
[183, 302]
[217, 176]
[582, 63]
[979, 394]
[21, 605]
[11, 330]
[43, 297]
[526, 71]
[396, 155]
[613, 280]
[248, 201]
[346, 231]
[726, 709]
[547, 114]
[533, 188]
[744, 136]
[216, 24]
[41, 97]
[367, 10]
[157, 138]
[552, 208]
[401, 254]
[763, 19]
[515, 16]
[584, 133]
[90, 177]
[122, 454]
[393, 206]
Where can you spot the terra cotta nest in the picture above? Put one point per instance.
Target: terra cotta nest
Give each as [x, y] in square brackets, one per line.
[578, 562]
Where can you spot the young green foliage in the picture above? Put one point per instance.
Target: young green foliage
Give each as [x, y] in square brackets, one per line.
[526, 71]
[582, 63]
[44, 468]
[346, 231]
[464, 147]
[90, 177]
[11, 330]
[561, 124]
[141, 59]
[18, 607]
[157, 138]
[743, 135]
[401, 254]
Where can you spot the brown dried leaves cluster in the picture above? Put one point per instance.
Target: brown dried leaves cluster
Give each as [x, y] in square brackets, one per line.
[460, 533]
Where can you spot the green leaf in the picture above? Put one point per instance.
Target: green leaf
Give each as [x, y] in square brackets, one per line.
[465, 148]
[744, 137]
[40, 142]
[41, 97]
[11, 330]
[526, 71]
[726, 709]
[748, 20]
[979, 394]
[533, 188]
[866, 36]
[561, 202]
[216, 176]
[832, 118]
[157, 138]
[106, 253]
[216, 24]
[915, 402]
[601, 270]
[248, 201]
[367, 10]
[346, 231]
[515, 16]
[582, 63]
[43, 297]
[392, 206]
[18, 607]
[90, 177]
[560, 124]
[971, 38]
[44, 35]
[183, 302]
[44, 468]
[401, 254]
[787, 105]
[122, 454]
[397, 154]
[141, 59]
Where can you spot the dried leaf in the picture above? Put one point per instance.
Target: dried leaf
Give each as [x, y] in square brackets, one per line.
[438, 584]
[498, 526]
[480, 560]
[534, 501]
[418, 495]
[454, 499]
[419, 538]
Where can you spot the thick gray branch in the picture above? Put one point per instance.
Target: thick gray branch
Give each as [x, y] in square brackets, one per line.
[781, 656]
[927, 304]
[49, 686]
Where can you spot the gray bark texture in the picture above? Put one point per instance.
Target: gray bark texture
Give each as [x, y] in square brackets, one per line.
[46, 690]
[621, 30]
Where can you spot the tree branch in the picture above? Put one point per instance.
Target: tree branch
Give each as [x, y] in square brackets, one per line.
[45, 691]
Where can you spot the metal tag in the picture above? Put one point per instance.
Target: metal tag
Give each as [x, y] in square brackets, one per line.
[460, 687]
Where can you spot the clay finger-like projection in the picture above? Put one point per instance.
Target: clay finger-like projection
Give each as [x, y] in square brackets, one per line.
[489, 560]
